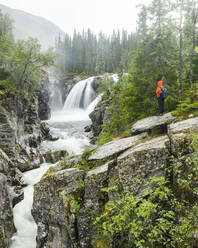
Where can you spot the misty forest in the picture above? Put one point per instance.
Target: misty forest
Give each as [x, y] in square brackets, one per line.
[90, 155]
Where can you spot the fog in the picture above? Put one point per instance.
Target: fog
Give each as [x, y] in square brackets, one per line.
[99, 15]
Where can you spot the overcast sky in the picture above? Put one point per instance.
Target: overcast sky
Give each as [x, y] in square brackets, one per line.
[99, 15]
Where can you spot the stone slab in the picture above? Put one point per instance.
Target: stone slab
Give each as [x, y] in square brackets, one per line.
[115, 147]
[151, 123]
[183, 125]
[156, 143]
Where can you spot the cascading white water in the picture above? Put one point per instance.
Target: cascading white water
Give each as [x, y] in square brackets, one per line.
[81, 95]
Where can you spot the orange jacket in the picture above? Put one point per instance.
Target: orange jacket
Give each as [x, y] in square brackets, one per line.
[158, 90]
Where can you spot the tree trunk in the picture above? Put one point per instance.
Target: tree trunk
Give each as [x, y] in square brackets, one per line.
[181, 53]
[194, 21]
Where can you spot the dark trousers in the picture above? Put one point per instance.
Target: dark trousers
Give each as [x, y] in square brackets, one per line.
[161, 105]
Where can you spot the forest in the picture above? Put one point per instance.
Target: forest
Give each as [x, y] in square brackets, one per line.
[94, 54]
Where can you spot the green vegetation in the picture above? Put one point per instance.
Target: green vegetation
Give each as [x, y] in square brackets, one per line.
[166, 215]
[82, 164]
[189, 106]
[21, 63]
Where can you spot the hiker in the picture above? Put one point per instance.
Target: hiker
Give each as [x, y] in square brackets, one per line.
[161, 93]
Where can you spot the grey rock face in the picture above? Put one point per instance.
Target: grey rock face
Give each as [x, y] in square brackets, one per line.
[154, 123]
[6, 215]
[56, 201]
[44, 111]
[3, 162]
[54, 156]
[67, 84]
[20, 132]
[94, 200]
[100, 116]
[141, 162]
[7, 127]
[182, 126]
[115, 147]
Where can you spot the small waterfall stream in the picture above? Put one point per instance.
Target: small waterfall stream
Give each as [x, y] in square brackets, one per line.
[68, 124]
[23, 220]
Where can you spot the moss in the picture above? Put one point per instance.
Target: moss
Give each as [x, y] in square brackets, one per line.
[3, 156]
[49, 172]
[2, 92]
[101, 242]
[71, 202]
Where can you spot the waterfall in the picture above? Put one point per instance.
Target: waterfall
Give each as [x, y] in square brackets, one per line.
[81, 95]
[55, 95]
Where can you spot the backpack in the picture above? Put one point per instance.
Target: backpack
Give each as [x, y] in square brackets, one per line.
[163, 94]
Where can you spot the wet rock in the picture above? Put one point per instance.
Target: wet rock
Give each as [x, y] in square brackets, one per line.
[67, 84]
[20, 134]
[94, 200]
[55, 208]
[44, 108]
[100, 116]
[6, 215]
[4, 160]
[54, 156]
[87, 129]
[141, 162]
[45, 130]
[7, 127]
[16, 194]
[115, 147]
[183, 126]
[153, 124]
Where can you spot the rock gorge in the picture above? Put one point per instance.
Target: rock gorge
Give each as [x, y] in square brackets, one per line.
[20, 137]
[69, 197]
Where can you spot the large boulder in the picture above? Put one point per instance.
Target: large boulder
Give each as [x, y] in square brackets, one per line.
[56, 203]
[114, 148]
[137, 165]
[153, 124]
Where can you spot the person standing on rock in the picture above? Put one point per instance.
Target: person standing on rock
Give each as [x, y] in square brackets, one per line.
[161, 93]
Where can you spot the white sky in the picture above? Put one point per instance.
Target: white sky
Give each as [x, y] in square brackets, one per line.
[99, 15]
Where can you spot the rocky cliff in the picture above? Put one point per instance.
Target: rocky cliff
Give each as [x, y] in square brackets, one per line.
[20, 137]
[67, 200]
[6, 215]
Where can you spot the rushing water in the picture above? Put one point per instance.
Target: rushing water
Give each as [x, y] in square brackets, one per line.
[68, 125]
[81, 95]
[23, 220]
